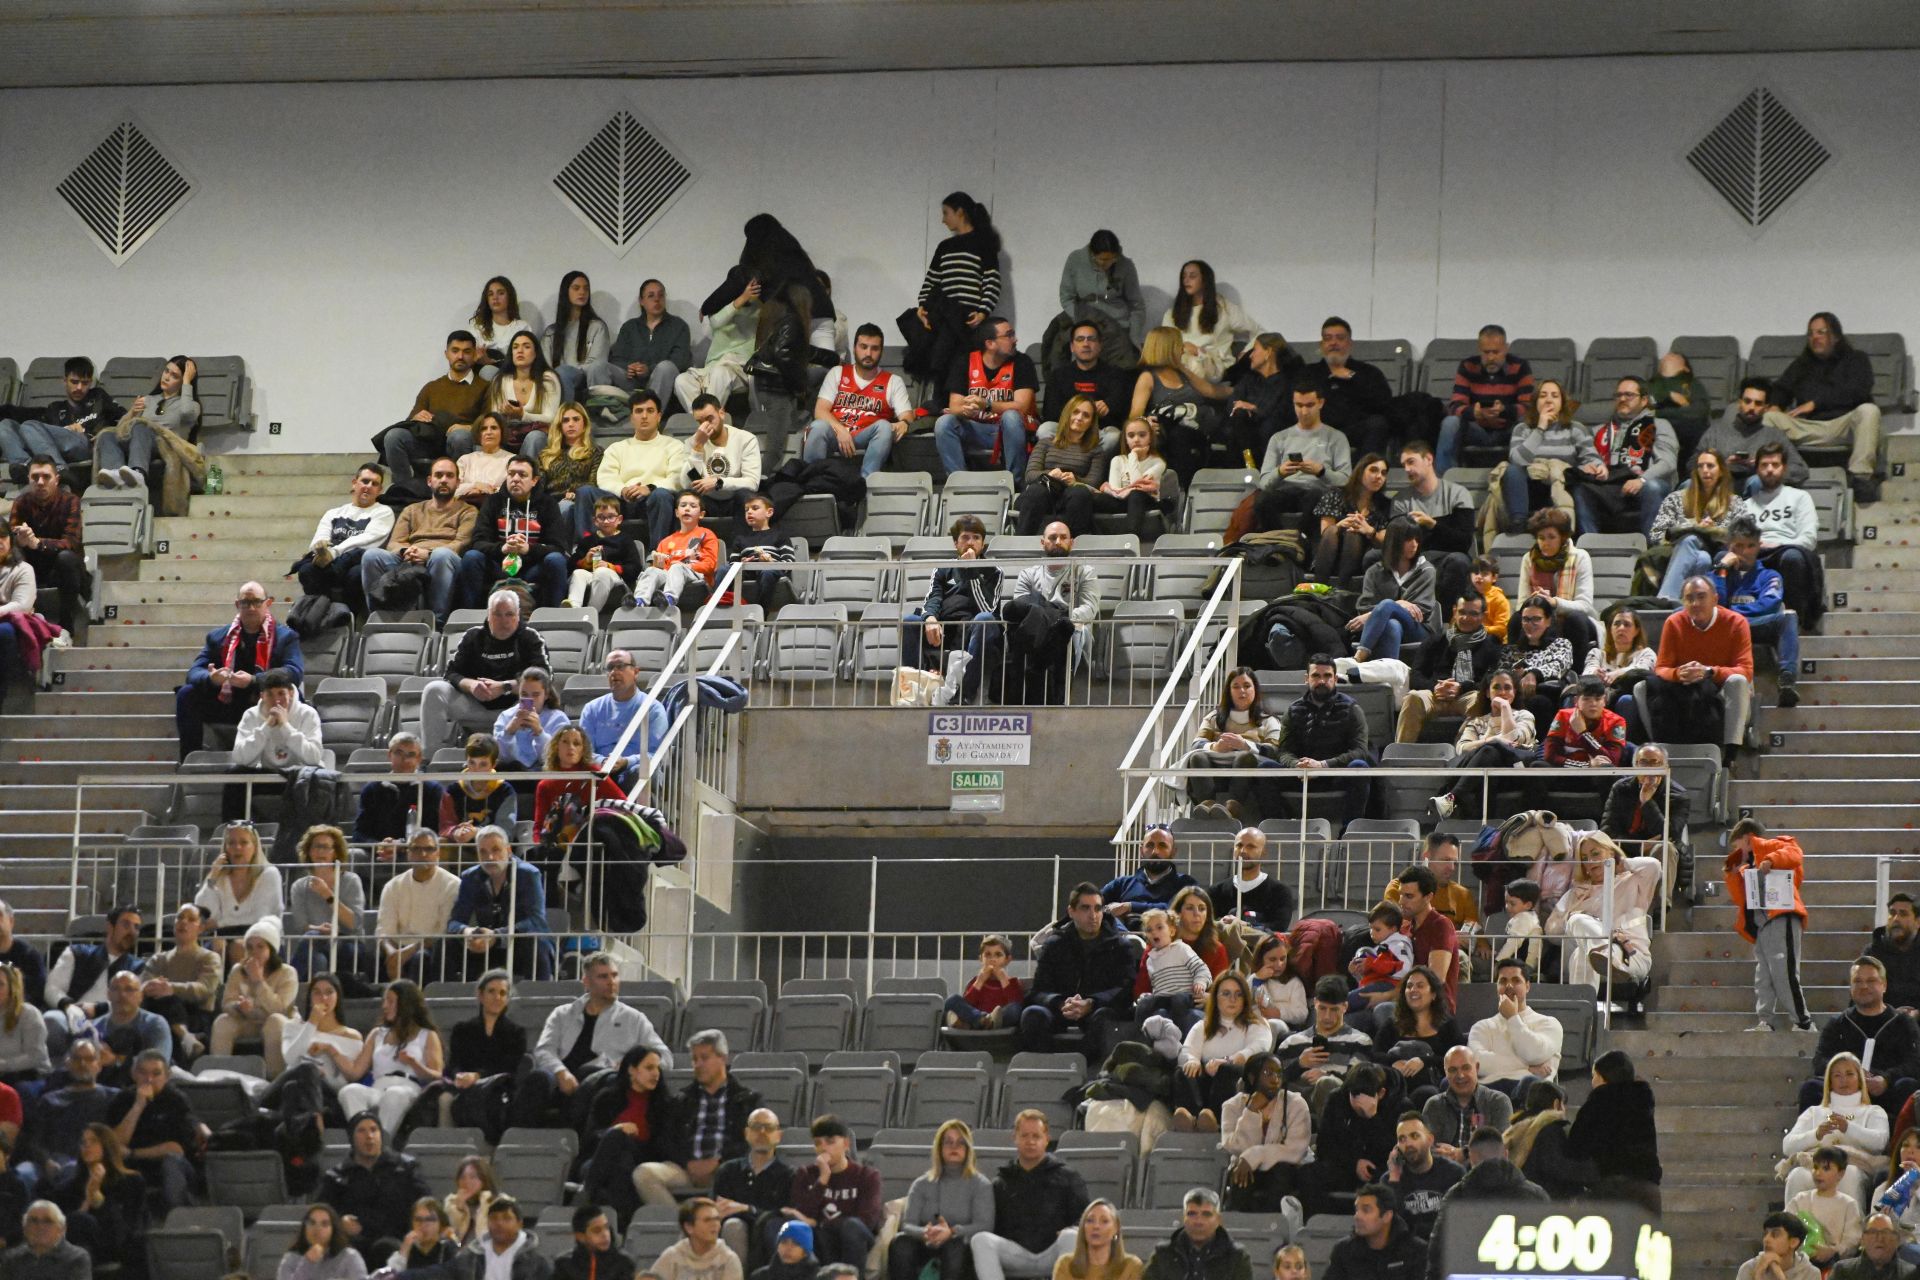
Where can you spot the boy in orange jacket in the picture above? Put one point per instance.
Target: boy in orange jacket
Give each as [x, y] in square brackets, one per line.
[684, 558]
[1775, 934]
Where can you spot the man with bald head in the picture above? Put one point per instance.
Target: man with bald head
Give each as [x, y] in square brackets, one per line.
[221, 684]
[1129, 897]
[1702, 681]
[1878, 1257]
[1250, 894]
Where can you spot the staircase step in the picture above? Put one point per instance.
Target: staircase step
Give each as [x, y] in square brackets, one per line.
[1841, 669]
[1780, 766]
[1875, 817]
[29, 796]
[47, 773]
[133, 680]
[123, 633]
[1721, 1021]
[209, 596]
[185, 534]
[1726, 946]
[1673, 1093]
[59, 822]
[35, 728]
[1755, 1200]
[174, 658]
[64, 702]
[302, 484]
[100, 751]
[303, 464]
[1831, 645]
[269, 562]
[1835, 791]
[1841, 739]
[306, 505]
[197, 613]
[1875, 622]
[1891, 712]
[238, 555]
[1854, 692]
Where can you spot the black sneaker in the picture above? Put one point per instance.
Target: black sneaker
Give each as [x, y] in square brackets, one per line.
[1789, 696]
[1866, 489]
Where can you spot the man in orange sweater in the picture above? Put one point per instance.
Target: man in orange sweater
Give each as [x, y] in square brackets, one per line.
[1775, 933]
[1703, 675]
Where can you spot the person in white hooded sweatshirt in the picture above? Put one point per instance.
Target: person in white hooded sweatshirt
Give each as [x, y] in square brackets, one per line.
[1845, 1118]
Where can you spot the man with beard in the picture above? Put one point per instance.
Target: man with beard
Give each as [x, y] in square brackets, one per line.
[1153, 885]
[1086, 373]
[433, 533]
[1642, 456]
[1326, 729]
[521, 522]
[1894, 946]
[1358, 393]
[862, 408]
[1048, 614]
[1448, 668]
[1826, 396]
[1422, 1178]
[1738, 437]
[1789, 533]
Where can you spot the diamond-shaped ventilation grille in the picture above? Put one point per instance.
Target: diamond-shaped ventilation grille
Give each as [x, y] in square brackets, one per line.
[1758, 156]
[622, 180]
[124, 191]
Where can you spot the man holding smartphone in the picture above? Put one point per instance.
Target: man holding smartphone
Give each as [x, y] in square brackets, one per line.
[1491, 392]
[1302, 463]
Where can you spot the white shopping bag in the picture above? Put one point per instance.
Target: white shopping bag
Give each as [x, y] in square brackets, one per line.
[1775, 894]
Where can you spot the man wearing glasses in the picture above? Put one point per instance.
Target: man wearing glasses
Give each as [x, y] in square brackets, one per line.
[222, 683]
[992, 401]
[1642, 456]
[606, 718]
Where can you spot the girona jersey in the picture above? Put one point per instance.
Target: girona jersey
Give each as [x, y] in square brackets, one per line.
[862, 406]
[997, 386]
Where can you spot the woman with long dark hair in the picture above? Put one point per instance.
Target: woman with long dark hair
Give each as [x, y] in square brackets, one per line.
[1397, 595]
[578, 339]
[403, 1054]
[319, 1249]
[960, 289]
[1501, 736]
[1237, 734]
[495, 319]
[1541, 658]
[1555, 570]
[319, 1050]
[773, 257]
[526, 395]
[1208, 323]
[626, 1127]
[105, 1202]
[1422, 1020]
[1353, 521]
[121, 460]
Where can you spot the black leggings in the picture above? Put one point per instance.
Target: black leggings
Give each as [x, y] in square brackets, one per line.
[1138, 506]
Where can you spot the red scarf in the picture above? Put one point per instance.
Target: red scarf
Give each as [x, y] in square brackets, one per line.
[262, 651]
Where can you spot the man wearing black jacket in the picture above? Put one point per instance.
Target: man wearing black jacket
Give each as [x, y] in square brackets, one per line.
[1642, 811]
[1085, 374]
[1084, 979]
[483, 676]
[1037, 1203]
[709, 1126]
[1828, 394]
[1445, 675]
[1357, 392]
[521, 520]
[1896, 944]
[373, 1191]
[1893, 1065]
[1326, 730]
[1201, 1249]
[64, 429]
[1382, 1244]
[1445, 513]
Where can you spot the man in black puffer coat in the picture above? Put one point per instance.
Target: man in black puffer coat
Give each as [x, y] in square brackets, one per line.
[1326, 729]
[1201, 1248]
[1084, 978]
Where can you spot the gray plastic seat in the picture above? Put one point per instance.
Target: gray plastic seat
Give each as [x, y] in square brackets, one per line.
[815, 1024]
[351, 709]
[1392, 356]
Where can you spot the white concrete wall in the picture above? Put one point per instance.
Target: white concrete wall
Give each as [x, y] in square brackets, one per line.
[339, 230]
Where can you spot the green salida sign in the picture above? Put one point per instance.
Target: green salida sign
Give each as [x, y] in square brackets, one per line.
[979, 780]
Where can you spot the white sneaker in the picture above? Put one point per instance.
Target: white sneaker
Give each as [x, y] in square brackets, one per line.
[107, 479]
[1761, 1026]
[132, 479]
[1441, 806]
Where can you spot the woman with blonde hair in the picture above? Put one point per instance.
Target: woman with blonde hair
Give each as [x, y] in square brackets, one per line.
[1579, 914]
[1177, 400]
[1058, 471]
[946, 1206]
[1694, 520]
[568, 461]
[1099, 1248]
[23, 1032]
[241, 888]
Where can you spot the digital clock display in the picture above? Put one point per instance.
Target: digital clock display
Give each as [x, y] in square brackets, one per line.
[1574, 1241]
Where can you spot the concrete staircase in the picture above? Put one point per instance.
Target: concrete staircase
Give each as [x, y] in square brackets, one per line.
[1841, 773]
[110, 713]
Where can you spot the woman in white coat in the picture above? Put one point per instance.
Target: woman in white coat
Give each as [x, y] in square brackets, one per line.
[1845, 1118]
[1580, 914]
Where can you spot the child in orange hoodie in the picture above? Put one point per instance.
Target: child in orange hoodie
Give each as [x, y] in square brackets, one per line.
[684, 557]
[1775, 934]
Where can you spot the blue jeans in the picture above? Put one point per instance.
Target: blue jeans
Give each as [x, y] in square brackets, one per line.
[1781, 629]
[135, 451]
[443, 566]
[1452, 428]
[978, 639]
[656, 509]
[478, 570]
[1586, 509]
[972, 1018]
[953, 433]
[1690, 557]
[1389, 625]
[56, 442]
[873, 443]
[1516, 494]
